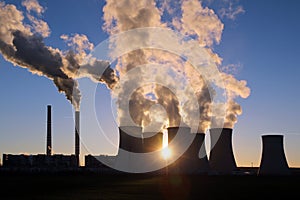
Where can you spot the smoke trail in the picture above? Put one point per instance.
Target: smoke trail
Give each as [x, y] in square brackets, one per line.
[77, 58]
[26, 49]
[21, 47]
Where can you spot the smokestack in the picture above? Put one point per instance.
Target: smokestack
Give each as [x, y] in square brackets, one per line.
[77, 132]
[273, 160]
[49, 139]
[221, 159]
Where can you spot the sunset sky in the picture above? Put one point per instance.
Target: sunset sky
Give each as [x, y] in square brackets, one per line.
[259, 44]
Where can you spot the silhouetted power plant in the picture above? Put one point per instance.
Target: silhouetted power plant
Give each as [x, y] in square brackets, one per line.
[152, 141]
[49, 161]
[273, 160]
[49, 127]
[188, 153]
[77, 136]
[221, 158]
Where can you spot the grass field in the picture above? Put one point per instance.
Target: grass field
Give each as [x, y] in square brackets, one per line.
[68, 186]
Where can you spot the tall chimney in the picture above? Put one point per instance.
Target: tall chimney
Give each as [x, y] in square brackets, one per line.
[273, 160]
[221, 159]
[77, 132]
[49, 142]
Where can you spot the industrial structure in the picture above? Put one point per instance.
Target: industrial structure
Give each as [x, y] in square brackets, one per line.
[152, 141]
[188, 153]
[273, 160]
[77, 136]
[221, 158]
[49, 129]
[46, 161]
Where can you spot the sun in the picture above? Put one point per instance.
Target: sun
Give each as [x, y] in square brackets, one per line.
[166, 153]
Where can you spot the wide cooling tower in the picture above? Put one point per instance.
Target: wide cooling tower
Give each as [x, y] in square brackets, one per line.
[131, 139]
[152, 141]
[194, 160]
[273, 160]
[178, 140]
[221, 159]
[130, 142]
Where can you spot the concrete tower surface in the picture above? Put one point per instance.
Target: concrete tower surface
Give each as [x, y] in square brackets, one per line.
[194, 159]
[273, 160]
[130, 143]
[131, 139]
[77, 135]
[179, 139]
[152, 141]
[49, 134]
[221, 159]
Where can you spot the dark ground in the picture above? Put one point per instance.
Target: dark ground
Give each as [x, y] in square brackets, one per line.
[93, 186]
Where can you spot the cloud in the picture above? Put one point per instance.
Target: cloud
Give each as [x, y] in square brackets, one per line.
[231, 12]
[202, 22]
[39, 26]
[33, 5]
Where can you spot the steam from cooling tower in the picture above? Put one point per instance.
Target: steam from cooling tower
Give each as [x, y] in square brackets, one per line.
[191, 19]
[23, 45]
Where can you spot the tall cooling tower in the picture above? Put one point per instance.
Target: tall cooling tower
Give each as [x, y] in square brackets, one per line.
[77, 134]
[152, 141]
[273, 160]
[221, 159]
[49, 137]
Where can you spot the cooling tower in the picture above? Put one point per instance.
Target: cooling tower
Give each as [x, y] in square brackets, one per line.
[131, 139]
[49, 137]
[273, 160]
[194, 160]
[152, 141]
[221, 159]
[177, 147]
[77, 133]
[130, 142]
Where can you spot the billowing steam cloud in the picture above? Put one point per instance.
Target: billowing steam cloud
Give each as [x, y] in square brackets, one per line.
[122, 16]
[191, 19]
[23, 46]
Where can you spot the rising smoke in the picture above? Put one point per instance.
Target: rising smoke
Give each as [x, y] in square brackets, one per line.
[23, 46]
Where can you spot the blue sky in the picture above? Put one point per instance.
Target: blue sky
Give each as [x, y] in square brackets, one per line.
[263, 41]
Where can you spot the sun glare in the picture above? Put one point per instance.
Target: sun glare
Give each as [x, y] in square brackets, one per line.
[166, 153]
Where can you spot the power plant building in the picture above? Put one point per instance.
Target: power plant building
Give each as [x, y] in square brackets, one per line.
[273, 160]
[221, 159]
